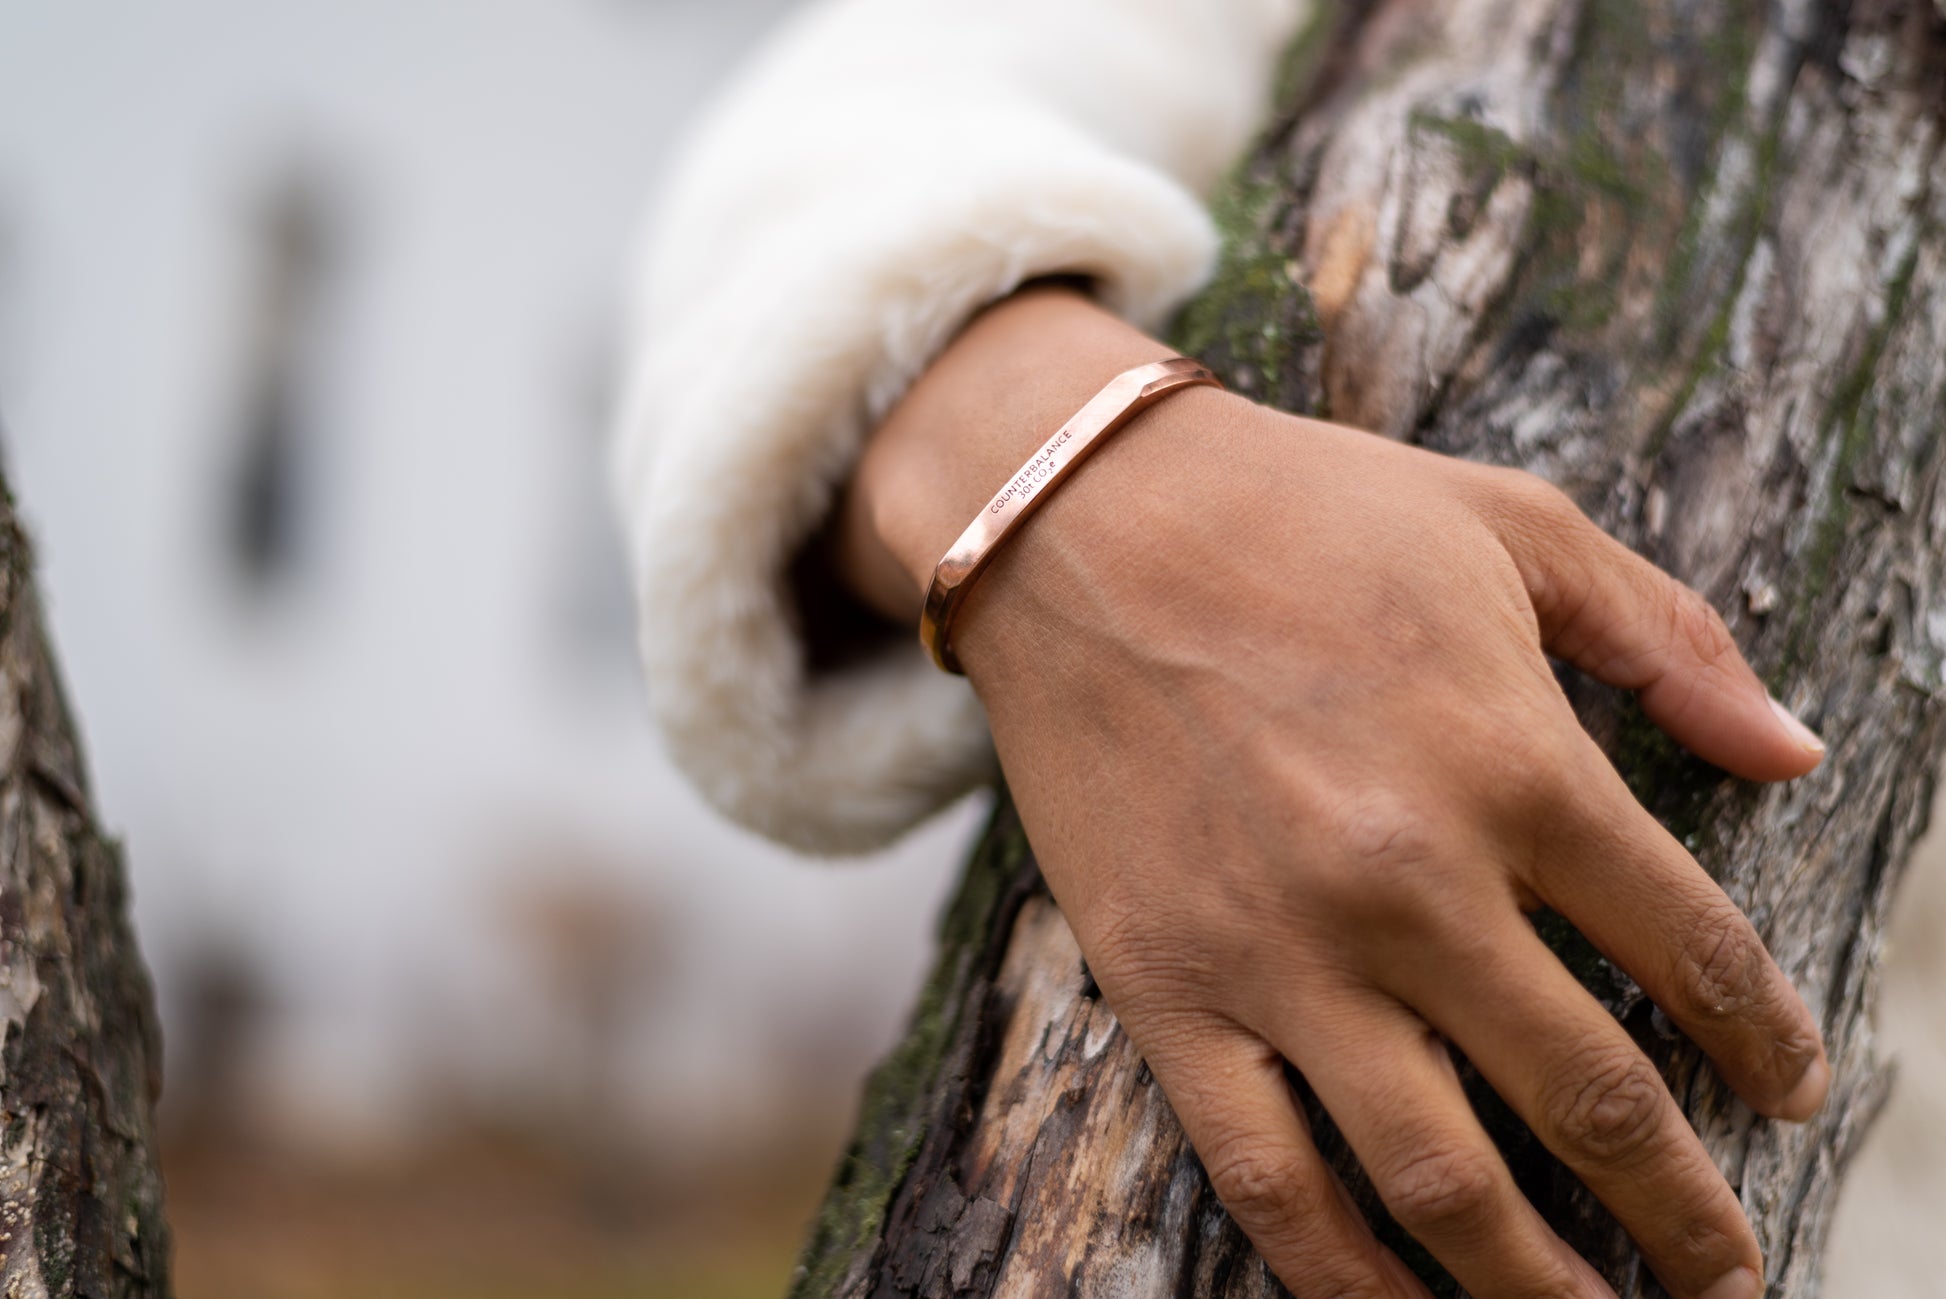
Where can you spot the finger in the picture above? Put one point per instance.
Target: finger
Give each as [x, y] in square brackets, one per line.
[1636, 894]
[1389, 1083]
[1227, 1087]
[1591, 1096]
[1624, 621]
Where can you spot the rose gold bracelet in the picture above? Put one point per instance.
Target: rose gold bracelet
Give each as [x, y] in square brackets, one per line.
[1124, 397]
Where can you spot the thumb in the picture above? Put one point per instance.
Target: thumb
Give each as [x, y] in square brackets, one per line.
[1624, 621]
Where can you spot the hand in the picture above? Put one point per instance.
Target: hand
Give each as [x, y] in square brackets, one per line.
[1273, 701]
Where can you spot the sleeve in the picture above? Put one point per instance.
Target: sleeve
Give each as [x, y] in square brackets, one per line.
[882, 170]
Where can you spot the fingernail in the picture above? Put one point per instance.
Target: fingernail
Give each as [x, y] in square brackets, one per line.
[1805, 1098]
[1740, 1284]
[1807, 739]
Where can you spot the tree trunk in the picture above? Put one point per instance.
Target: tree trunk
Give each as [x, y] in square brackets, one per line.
[1684, 259]
[80, 1194]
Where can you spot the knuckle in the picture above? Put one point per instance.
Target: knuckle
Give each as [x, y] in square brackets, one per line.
[1260, 1188]
[1695, 622]
[1703, 1246]
[1129, 949]
[1441, 1191]
[1547, 502]
[1797, 1048]
[1382, 865]
[1116, 936]
[1535, 770]
[1721, 970]
[1280, 1204]
[1532, 497]
[1384, 832]
[1608, 1103]
[1541, 514]
[1529, 514]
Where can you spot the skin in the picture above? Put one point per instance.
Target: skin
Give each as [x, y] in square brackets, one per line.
[1273, 698]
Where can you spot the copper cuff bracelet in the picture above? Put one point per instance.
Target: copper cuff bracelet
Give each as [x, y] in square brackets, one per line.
[1124, 397]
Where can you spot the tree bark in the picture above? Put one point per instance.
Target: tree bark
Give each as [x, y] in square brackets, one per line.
[80, 1069]
[1684, 259]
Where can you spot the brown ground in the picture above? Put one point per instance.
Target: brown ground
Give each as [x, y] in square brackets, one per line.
[486, 1217]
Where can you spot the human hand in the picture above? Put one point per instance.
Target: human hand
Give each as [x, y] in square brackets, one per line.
[1273, 700]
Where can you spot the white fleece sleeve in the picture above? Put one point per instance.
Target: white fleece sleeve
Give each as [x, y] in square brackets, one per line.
[882, 170]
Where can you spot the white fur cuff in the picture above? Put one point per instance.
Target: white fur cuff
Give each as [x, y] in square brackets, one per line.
[748, 411]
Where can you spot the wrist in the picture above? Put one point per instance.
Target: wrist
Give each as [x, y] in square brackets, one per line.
[1016, 372]
[1140, 527]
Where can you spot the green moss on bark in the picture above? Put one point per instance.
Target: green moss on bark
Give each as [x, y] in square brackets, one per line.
[899, 1098]
[1254, 320]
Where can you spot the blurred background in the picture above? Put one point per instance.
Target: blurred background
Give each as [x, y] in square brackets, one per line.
[306, 316]
[306, 325]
